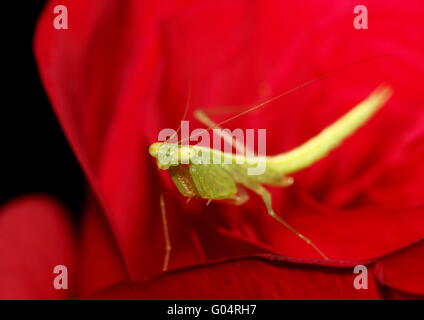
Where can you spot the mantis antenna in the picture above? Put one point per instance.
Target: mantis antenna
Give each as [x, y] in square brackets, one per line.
[305, 84]
[185, 112]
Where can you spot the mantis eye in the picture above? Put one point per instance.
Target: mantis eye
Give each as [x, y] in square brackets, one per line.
[154, 149]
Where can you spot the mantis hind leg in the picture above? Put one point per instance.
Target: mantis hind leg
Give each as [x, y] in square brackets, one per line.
[168, 246]
[266, 197]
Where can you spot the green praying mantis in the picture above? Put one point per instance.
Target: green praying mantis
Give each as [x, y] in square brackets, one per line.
[227, 180]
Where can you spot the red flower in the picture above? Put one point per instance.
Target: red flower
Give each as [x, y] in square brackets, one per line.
[119, 74]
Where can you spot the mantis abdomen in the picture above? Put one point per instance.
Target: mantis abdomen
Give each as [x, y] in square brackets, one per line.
[328, 139]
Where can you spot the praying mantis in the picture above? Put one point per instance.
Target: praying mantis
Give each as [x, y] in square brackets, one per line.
[194, 177]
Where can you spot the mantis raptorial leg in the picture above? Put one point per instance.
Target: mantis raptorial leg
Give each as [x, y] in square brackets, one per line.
[202, 117]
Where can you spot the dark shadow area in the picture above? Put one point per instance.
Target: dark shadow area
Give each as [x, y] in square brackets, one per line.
[35, 155]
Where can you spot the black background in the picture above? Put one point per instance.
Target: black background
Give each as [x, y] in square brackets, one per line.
[35, 156]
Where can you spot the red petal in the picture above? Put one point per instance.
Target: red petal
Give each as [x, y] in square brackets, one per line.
[261, 277]
[351, 235]
[101, 262]
[120, 73]
[35, 236]
[403, 272]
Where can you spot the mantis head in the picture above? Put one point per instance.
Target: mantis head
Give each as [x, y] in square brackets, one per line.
[170, 154]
